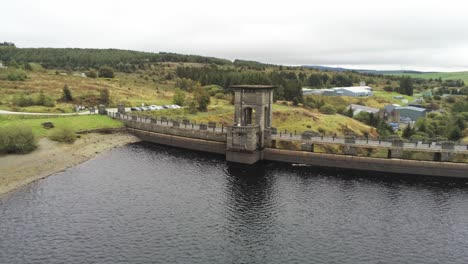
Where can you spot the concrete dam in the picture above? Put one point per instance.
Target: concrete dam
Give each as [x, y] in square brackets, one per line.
[252, 139]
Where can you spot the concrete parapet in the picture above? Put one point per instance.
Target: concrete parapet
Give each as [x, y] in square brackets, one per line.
[398, 143]
[307, 135]
[274, 130]
[121, 109]
[102, 110]
[350, 139]
[211, 125]
[449, 145]
[178, 131]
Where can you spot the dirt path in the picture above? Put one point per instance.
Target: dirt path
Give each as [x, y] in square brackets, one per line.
[52, 157]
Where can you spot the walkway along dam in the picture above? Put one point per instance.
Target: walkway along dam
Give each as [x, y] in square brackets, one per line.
[252, 139]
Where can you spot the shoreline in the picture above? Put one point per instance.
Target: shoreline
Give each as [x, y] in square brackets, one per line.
[18, 170]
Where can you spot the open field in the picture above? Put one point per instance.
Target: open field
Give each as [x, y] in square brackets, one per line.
[130, 89]
[75, 123]
[435, 75]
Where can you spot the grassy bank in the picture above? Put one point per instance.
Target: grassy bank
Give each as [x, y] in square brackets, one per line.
[74, 123]
[284, 117]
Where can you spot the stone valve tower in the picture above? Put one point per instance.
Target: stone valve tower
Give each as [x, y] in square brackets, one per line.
[250, 132]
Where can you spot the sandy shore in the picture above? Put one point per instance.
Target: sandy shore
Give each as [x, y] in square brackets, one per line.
[52, 157]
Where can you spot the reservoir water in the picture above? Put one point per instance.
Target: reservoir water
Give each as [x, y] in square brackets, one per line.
[145, 203]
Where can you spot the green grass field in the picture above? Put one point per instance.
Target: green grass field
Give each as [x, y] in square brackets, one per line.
[75, 123]
[444, 75]
[390, 97]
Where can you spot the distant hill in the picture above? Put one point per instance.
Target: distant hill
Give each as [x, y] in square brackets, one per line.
[339, 69]
[94, 58]
[413, 74]
[436, 75]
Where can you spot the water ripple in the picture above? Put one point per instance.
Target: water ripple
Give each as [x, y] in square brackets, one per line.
[150, 204]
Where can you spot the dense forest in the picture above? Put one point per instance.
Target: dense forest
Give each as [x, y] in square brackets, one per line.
[83, 59]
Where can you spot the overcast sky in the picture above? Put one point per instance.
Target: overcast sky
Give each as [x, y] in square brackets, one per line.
[375, 34]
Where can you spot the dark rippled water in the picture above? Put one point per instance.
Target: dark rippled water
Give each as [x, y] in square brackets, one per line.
[151, 204]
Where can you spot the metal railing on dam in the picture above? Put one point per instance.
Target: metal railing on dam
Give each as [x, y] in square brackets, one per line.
[365, 143]
[376, 144]
[166, 122]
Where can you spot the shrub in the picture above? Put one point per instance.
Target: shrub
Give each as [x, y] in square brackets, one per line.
[22, 100]
[44, 100]
[104, 96]
[17, 139]
[450, 99]
[388, 88]
[64, 135]
[179, 97]
[202, 98]
[67, 95]
[17, 76]
[219, 96]
[91, 74]
[213, 89]
[192, 107]
[327, 109]
[106, 72]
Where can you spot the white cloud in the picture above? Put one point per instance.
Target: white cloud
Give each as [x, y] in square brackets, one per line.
[390, 34]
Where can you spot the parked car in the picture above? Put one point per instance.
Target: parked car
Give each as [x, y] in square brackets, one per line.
[155, 107]
[174, 106]
[145, 108]
[136, 108]
[166, 106]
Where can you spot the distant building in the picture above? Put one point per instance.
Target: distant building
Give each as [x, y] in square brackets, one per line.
[2, 66]
[411, 112]
[361, 108]
[355, 91]
[391, 114]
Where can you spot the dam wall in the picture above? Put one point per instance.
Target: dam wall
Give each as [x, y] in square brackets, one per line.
[399, 166]
[180, 142]
[240, 144]
[207, 134]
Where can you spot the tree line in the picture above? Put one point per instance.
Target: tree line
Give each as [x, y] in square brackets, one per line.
[83, 59]
[289, 86]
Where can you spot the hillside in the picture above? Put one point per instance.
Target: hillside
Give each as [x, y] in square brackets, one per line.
[35, 81]
[72, 58]
[435, 75]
